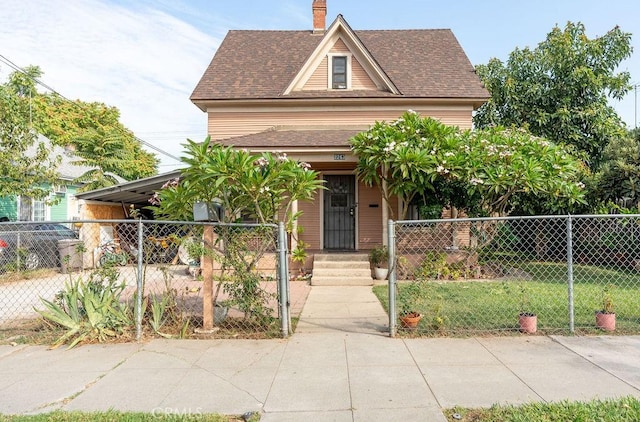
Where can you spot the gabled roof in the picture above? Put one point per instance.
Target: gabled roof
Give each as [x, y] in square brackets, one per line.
[421, 63]
[341, 29]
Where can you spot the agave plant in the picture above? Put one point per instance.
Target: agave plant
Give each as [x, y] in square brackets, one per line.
[89, 311]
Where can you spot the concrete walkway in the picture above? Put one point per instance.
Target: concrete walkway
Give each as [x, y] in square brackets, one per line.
[339, 366]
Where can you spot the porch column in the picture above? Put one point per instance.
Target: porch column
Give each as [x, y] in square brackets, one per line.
[385, 215]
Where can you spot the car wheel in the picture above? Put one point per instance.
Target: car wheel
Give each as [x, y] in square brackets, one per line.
[31, 261]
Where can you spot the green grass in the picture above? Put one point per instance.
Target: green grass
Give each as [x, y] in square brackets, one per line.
[492, 306]
[620, 410]
[110, 416]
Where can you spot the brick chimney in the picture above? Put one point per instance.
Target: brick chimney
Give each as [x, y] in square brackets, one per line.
[319, 8]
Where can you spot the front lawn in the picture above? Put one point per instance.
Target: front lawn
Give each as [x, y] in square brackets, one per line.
[492, 306]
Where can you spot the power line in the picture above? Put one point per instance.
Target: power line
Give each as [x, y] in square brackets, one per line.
[36, 80]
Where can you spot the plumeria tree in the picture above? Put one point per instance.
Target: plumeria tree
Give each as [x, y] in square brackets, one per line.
[482, 172]
[404, 158]
[258, 187]
[261, 188]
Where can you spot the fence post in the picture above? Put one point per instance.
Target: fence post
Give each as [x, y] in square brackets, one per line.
[392, 278]
[139, 282]
[283, 279]
[570, 272]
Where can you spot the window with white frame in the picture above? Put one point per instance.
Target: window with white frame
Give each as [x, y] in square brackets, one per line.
[339, 71]
[32, 209]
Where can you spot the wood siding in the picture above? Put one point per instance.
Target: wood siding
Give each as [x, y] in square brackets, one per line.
[369, 217]
[360, 80]
[310, 222]
[339, 47]
[228, 124]
[319, 79]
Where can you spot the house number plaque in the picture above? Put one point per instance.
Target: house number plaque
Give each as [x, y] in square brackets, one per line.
[338, 157]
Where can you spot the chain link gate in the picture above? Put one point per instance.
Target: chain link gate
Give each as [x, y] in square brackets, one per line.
[152, 271]
[478, 276]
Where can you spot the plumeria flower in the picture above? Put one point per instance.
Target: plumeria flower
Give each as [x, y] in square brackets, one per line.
[442, 170]
[155, 199]
[171, 183]
[390, 147]
[304, 166]
[261, 162]
[475, 181]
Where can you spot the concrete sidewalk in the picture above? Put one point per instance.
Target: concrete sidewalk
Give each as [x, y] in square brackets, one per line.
[339, 366]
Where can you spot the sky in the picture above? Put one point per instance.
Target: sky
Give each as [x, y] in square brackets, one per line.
[145, 57]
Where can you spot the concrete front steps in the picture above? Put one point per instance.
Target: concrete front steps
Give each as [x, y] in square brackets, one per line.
[341, 269]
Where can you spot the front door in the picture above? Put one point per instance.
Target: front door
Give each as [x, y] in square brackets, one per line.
[340, 212]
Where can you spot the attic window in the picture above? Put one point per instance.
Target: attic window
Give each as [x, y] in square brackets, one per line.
[339, 72]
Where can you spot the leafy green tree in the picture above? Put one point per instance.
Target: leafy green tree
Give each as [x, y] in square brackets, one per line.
[560, 89]
[26, 167]
[482, 172]
[618, 180]
[93, 129]
[260, 187]
[99, 138]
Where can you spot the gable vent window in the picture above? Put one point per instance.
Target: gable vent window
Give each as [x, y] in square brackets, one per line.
[339, 72]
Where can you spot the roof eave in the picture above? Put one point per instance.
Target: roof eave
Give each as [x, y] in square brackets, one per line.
[206, 104]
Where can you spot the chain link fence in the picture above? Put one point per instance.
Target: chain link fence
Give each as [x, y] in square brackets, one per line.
[171, 279]
[564, 274]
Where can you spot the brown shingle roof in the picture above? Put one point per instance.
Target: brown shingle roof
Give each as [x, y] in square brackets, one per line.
[274, 139]
[428, 63]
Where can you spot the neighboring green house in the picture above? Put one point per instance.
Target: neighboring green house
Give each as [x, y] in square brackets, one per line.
[61, 205]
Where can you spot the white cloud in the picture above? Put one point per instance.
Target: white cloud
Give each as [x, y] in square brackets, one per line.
[141, 60]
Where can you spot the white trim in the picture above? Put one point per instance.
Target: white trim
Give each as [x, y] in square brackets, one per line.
[392, 105]
[339, 29]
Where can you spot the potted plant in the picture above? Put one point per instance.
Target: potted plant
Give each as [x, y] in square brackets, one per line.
[409, 296]
[606, 317]
[379, 258]
[527, 320]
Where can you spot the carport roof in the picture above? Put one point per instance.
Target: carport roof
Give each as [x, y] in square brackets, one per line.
[136, 192]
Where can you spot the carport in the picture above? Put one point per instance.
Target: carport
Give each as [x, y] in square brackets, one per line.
[113, 202]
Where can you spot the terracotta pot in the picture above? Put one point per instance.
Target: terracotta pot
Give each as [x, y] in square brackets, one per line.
[410, 320]
[606, 321]
[528, 322]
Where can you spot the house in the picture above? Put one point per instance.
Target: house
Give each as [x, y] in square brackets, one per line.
[62, 204]
[305, 93]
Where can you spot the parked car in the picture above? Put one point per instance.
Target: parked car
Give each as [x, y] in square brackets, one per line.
[30, 246]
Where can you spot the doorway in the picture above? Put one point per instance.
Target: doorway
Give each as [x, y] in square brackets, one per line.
[340, 212]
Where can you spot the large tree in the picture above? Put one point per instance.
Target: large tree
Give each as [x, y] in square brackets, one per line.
[483, 172]
[618, 179]
[560, 89]
[92, 128]
[26, 167]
